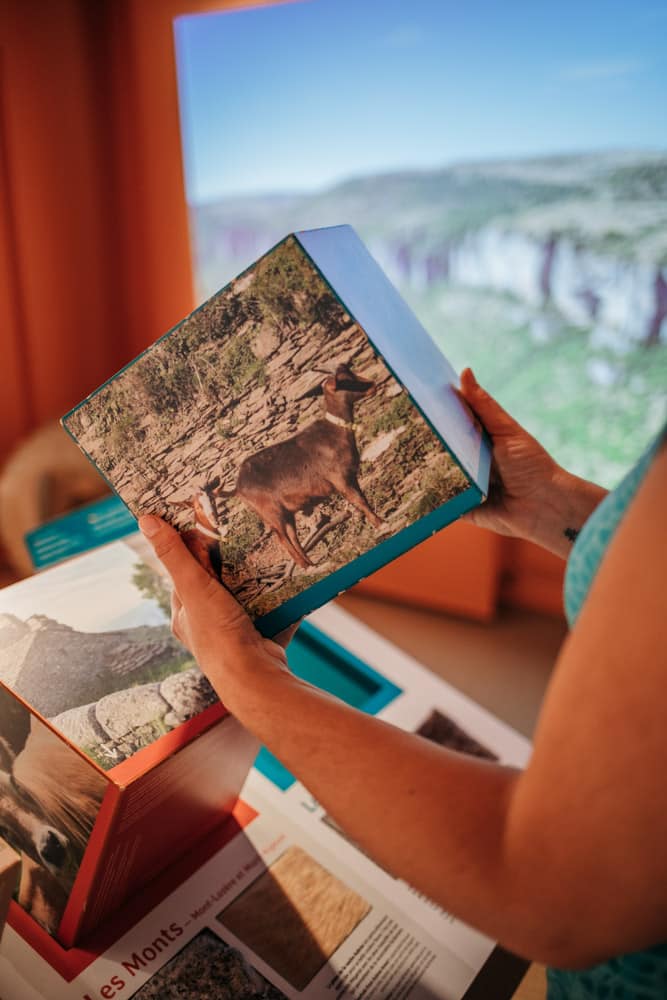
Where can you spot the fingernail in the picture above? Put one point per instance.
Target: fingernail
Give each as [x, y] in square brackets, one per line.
[149, 525]
[471, 376]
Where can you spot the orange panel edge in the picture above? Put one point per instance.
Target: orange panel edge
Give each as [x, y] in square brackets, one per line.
[456, 571]
[532, 578]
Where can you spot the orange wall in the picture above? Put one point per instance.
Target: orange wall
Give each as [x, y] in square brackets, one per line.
[94, 255]
[94, 244]
[532, 578]
[458, 570]
[56, 178]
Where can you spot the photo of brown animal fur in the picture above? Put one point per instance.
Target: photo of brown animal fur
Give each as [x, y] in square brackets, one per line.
[49, 800]
[295, 916]
[317, 462]
[268, 430]
[10, 865]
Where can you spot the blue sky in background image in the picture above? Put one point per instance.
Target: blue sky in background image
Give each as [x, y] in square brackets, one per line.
[301, 95]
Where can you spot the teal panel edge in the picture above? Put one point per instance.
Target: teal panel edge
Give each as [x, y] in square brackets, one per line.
[86, 528]
[273, 770]
[324, 590]
[386, 691]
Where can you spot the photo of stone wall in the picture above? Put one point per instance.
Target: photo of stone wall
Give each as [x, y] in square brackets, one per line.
[208, 969]
[267, 429]
[89, 646]
[295, 916]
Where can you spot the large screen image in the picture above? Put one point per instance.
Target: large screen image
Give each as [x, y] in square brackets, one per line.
[507, 166]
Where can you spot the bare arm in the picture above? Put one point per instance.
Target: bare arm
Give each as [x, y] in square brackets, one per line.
[566, 862]
[531, 496]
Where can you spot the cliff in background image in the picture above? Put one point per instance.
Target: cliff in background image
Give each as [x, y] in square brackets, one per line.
[548, 275]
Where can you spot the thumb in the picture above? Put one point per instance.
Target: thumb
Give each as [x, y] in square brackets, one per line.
[496, 420]
[196, 589]
[187, 574]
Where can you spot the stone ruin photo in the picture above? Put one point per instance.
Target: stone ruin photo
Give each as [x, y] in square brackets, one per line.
[89, 646]
[267, 429]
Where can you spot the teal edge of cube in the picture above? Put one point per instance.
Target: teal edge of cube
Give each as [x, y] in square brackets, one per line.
[324, 590]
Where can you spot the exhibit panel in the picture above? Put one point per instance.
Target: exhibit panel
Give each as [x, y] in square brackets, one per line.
[281, 878]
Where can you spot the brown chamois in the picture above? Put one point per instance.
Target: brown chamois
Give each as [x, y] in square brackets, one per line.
[322, 459]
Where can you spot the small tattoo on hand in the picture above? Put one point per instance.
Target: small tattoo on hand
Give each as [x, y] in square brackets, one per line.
[571, 534]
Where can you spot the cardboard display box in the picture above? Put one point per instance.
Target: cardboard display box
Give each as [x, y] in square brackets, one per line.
[115, 754]
[301, 428]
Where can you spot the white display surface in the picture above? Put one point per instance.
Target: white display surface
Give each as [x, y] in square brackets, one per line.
[324, 911]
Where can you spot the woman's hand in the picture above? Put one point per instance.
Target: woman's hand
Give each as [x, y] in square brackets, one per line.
[210, 622]
[521, 472]
[530, 495]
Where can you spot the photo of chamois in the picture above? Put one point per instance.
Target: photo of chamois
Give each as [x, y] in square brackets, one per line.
[312, 465]
[49, 800]
[268, 430]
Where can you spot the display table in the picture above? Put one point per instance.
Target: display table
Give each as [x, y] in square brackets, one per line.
[238, 901]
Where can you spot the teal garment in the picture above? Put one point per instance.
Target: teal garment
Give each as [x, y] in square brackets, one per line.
[596, 534]
[642, 975]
